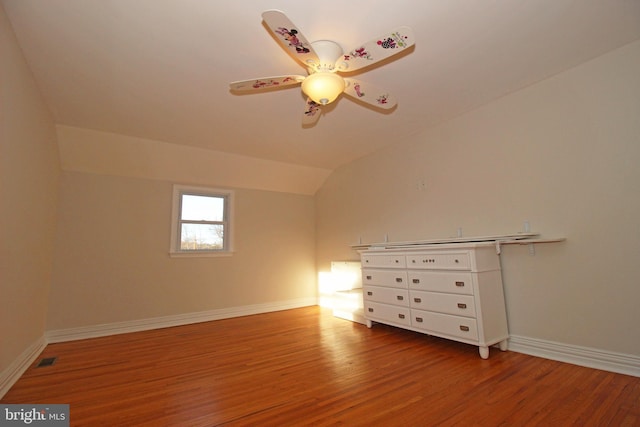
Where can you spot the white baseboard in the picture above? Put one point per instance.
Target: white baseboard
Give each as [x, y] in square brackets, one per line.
[13, 372]
[583, 356]
[94, 331]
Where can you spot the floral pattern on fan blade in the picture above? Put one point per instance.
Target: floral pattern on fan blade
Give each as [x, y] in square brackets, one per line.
[394, 41]
[359, 53]
[312, 108]
[261, 84]
[290, 35]
[383, 99]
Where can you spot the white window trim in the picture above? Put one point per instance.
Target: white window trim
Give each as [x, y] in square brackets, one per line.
[174, 249]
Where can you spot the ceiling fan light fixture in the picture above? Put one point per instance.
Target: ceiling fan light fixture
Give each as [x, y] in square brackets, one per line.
[323, 87]
[323, 59]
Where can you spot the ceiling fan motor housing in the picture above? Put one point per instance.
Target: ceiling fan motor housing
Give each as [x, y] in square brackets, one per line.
[328, 53]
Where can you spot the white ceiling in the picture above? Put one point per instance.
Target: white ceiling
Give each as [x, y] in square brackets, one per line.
[160, 69]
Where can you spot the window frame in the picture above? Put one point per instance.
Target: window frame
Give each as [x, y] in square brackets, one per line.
[176, 221]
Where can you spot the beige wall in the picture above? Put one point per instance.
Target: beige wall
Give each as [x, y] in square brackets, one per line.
[112, 254]
[29, 169]
[564, 155]
[104, 153]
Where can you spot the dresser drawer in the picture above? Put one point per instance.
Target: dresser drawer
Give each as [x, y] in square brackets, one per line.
[396, 279]
[389, 313]
[384, 261]
[435, 261]
[455, 326]
[395, 296]
[441, 281]
[460, 305]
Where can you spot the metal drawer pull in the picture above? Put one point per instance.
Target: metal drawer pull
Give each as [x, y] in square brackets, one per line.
[461, 305]
[401, 316]
[371, 293]
[399, 297]
[417, 299]
[457, 261]
[419, 319]
[368, 277]
[399, 279]
[416, 280]
[460, 284]
[370, 310]
[464, 328]
[397, 261]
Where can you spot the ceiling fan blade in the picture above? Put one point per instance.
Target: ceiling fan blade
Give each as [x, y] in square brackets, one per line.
[290, 37]
[311, 112]
[265, 83]
[377, 49]
[369, 93]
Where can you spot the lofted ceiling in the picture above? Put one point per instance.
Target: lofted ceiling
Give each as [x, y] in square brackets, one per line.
[160, 69]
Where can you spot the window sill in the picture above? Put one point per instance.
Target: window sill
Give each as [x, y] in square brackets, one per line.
[200, 254]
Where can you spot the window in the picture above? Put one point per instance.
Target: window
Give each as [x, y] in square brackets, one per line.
[201, 221]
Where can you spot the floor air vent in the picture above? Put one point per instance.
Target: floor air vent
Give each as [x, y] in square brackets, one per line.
[47, 361]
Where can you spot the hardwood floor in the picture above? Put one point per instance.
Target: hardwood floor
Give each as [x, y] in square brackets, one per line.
[305, 367]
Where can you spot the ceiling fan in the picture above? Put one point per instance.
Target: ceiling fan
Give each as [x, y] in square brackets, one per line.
[324, 59]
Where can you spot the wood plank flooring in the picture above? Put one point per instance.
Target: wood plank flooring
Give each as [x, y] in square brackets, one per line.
[305, 367]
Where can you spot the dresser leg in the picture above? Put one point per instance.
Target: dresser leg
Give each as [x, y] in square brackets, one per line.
[503, 345]
[484, 352]
[369, 323]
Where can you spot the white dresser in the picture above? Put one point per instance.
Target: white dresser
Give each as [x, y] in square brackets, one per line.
[451, 291]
